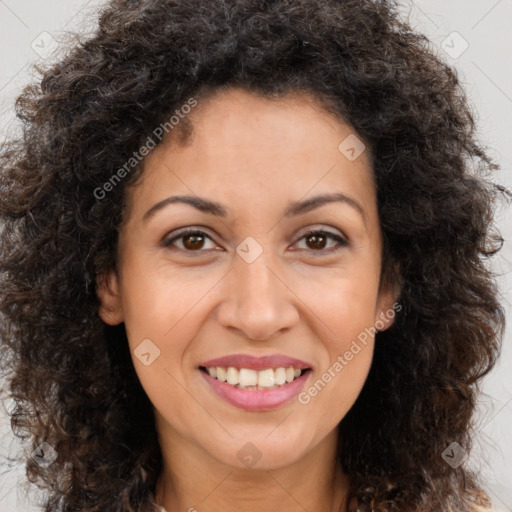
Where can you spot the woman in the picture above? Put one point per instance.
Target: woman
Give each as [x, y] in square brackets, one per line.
[243, 264]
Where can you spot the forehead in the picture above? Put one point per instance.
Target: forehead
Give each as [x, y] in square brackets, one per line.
[244, 146]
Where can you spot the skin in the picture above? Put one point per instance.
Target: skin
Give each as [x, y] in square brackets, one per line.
[254, 156]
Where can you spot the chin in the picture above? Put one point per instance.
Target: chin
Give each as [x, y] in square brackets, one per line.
[261, 451]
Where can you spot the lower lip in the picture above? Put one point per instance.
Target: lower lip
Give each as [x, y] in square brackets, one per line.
[255, 399]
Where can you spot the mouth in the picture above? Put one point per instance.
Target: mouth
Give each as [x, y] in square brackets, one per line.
[255, 390]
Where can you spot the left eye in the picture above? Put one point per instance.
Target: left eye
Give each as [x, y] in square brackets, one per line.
[320, 237]
[192, 240]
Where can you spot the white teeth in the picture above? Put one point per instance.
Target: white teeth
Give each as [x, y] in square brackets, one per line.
[266, 378]
[221, 373]
[232, 376]
[247, 378]
[280, 376]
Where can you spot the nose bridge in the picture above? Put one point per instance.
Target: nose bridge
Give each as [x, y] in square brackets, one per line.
[257, 281]
[257, 302]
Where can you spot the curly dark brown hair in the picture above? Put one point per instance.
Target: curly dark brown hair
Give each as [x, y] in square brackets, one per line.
[71, 376]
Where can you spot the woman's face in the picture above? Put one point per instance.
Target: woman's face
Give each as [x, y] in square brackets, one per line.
[273, 274]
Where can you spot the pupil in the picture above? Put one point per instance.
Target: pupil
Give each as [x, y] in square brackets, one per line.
[316, 239]
[194, 241]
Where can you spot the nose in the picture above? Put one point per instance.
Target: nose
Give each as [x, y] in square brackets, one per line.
[257, 301]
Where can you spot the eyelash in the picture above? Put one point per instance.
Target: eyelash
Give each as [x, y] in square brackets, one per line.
[342, 242]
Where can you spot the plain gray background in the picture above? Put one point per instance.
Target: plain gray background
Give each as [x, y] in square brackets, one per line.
[475, 36]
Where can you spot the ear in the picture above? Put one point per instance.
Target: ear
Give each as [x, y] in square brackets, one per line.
[107, 290]
[387, 305]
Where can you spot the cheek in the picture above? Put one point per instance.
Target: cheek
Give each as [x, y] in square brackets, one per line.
[347, 335]
[164, 307]
[346, 309]
[160, 302]
[346, 306]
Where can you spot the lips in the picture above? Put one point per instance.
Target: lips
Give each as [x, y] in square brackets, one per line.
[256, 398]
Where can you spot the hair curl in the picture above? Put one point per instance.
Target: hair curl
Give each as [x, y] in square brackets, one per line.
[71, 376]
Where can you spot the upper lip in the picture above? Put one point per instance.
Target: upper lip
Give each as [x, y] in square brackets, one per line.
[256, 363]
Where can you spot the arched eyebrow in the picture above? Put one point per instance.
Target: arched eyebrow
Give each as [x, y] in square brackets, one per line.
[293, 209]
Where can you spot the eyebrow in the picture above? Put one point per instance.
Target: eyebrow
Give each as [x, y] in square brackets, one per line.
[293, 209]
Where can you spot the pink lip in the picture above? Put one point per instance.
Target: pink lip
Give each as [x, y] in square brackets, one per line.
[256, 400]
[257, 363]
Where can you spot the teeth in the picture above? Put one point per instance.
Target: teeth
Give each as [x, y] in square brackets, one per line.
[221, 374]
[280, 376]
[266, 378]
[247, 378]
[232, 376]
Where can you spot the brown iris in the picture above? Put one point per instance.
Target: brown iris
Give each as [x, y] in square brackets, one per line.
[319, 240]
[193, 241]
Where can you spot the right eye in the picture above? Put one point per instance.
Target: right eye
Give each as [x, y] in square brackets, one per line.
[192, 240]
